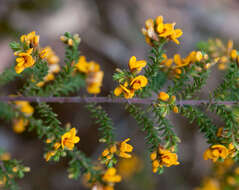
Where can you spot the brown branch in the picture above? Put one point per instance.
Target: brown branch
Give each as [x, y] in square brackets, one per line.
[107, 100]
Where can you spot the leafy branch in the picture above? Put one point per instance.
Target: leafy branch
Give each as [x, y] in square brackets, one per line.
[152, 135]
[205, 124]
[105, 123]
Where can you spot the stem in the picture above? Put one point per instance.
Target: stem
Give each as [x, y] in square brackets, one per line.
[108, 100]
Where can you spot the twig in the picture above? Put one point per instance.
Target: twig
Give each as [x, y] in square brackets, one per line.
[107, 100]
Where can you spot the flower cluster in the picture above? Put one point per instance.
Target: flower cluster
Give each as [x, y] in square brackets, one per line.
[122, 149]
[155, 30]
[25, 58]
[68, 140]
[20, 123]
[53, 65]
[129, 82]
[222, 54]
[110, 176]
[163, 157]
[128, 167]
[189, 74]
[31, 39]
[218, 151]
[175, 66]
[94, 76]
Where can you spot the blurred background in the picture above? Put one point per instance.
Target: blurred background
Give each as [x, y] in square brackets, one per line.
[111, 34]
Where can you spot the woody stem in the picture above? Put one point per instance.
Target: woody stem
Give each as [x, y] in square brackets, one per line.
[108, 100]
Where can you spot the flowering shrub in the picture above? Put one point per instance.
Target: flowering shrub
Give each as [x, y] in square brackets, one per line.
[45, 80]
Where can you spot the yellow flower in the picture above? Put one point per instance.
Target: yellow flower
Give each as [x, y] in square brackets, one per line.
[5, 156]
[153, 155]
[167, 62]
[125, 149]
[219, 131]
[53, 66]
[167, 158]
[94, 76]
[128, 93]
[108, 187]
[175, 35]
[93, 67]
[48, 141]
[70, 42]
[127, 168]
[149, 31]
[234, 54]
[25, 107]
[49, 155]
[110, 176]
[135, 65]
[40, 84]
[15, 169]
[229, 46]
[163, 158]
[19, 125]
[154, 30]
[232, 150]
[199, 56]
[175, 109]
[222, 66]
[223, 59]
[139, 82]
[167, 30]
[43, 53]
[163, 96]
[136, 83]
[30, 38]
[237, 171]
[69, 139]
[111, 150]
[49, 77]
[108, 153]
[178, 60]
[24, 60]
[215, 152]
[174, 66]
[51, 57]
[63, 38]
[57, 145]
[82, 65]
[98, 186]
[160, 25]
[94, 82]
